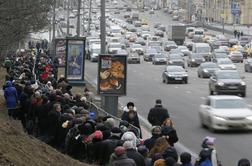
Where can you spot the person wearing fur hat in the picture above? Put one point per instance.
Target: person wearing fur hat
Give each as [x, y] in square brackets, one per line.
[244, 162]
[131, 116]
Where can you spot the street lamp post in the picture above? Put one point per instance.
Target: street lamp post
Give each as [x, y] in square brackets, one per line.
[78, 18]
[109, 103]
[68, 13]
[54, 19]
[89, 16]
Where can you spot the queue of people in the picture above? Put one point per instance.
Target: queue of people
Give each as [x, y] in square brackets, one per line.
[49, 111]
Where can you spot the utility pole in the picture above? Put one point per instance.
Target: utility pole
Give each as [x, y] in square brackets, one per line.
[78, 19]
[109, 103]
[189, 8]
[68, 13]
[83, 19]
[54, 19]
[50, 30]
[89, 16]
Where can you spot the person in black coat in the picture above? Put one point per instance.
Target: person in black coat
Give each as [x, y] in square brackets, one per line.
[54, 124]
[156, 133]
[158, 114]
[132, 118]
[170, 134]
[133, 154]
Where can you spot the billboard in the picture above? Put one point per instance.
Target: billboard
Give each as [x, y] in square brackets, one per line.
[60, 51]
[75, 59]
[112, 75]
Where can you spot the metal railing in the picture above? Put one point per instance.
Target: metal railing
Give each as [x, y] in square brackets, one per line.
[101, 112]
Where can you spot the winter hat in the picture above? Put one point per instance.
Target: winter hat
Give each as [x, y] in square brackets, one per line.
[98, 135]
[109, 123]
[124, 126]
[244, 162]
[185, 158]
[129, 136]
[83, 99]
[210, 140]
[170, 161]
[37, 94]
[116, 132]
[170, 152]
[91, 115]
[120, 150]
[142, 149]
[128, 145]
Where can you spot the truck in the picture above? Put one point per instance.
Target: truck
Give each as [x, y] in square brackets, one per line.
[176, 33]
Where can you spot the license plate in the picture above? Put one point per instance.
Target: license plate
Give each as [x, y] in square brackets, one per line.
[232, 87]
[178, 78]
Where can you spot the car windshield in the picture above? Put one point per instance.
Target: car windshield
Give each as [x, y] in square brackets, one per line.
[115, 30]
[225, 62]
[175, 56]
[175, 69]
[151, 51]
[230, 104]
[97, 51]
[175, 51]
[209, 65]
[228, 75]
[155, 43]
[199, 32]
[197, 56]
[221, 55]
[183, 48]
[115, 45]
[203, 49]
[159, 56]
[136, 46]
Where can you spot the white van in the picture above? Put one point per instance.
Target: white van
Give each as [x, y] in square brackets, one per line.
[198, 35]
[204, 49]
[115, 31]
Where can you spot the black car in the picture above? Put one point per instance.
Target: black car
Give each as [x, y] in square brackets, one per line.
[248, 65]
[175, 74]
[228, 82]
[205, 70]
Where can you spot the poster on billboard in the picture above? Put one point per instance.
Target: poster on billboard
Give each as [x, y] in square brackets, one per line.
[112, 75]
[60, 51]
[75, 59]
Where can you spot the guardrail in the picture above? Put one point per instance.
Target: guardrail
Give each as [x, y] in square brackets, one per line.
[101, 112]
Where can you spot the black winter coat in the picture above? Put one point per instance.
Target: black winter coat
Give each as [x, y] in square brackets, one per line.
[149, 143]
[157, 115]
[137, 157]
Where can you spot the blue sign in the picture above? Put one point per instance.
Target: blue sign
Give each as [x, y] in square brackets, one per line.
[235, 8]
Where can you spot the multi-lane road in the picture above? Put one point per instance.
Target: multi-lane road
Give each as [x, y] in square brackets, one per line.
[145, 85]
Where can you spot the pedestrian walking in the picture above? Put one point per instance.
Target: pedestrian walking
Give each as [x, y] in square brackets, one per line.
[158, 114]
[238, 35]
[235, 33]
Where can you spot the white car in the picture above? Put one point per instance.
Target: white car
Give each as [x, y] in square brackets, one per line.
[225, 64]
[225, 113]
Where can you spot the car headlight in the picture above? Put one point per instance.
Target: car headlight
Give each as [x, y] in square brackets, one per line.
[233, 67]
[219, 118]
[243, 83]
[193, 60]
[206, 71]
[170, 62]
[170, 75]
[185, 75]
[249, 118]
[220, 83]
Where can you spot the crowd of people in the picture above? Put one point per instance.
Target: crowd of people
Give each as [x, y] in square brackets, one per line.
[49, 111]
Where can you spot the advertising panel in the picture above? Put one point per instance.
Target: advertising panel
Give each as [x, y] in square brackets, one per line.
[75, 59]
[60, 51]
[112, 75]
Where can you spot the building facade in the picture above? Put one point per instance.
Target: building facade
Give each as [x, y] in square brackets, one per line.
[229, 11]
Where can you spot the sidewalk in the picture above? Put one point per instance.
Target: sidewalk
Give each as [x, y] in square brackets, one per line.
[230, 28]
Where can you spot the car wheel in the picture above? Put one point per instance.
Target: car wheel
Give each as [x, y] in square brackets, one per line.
[199, 75]
[211, 92]
[243, 94]
[186, 82]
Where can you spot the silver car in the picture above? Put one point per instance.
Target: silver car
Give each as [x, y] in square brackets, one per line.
[159, 59]
[225, 113]
[205, 70]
